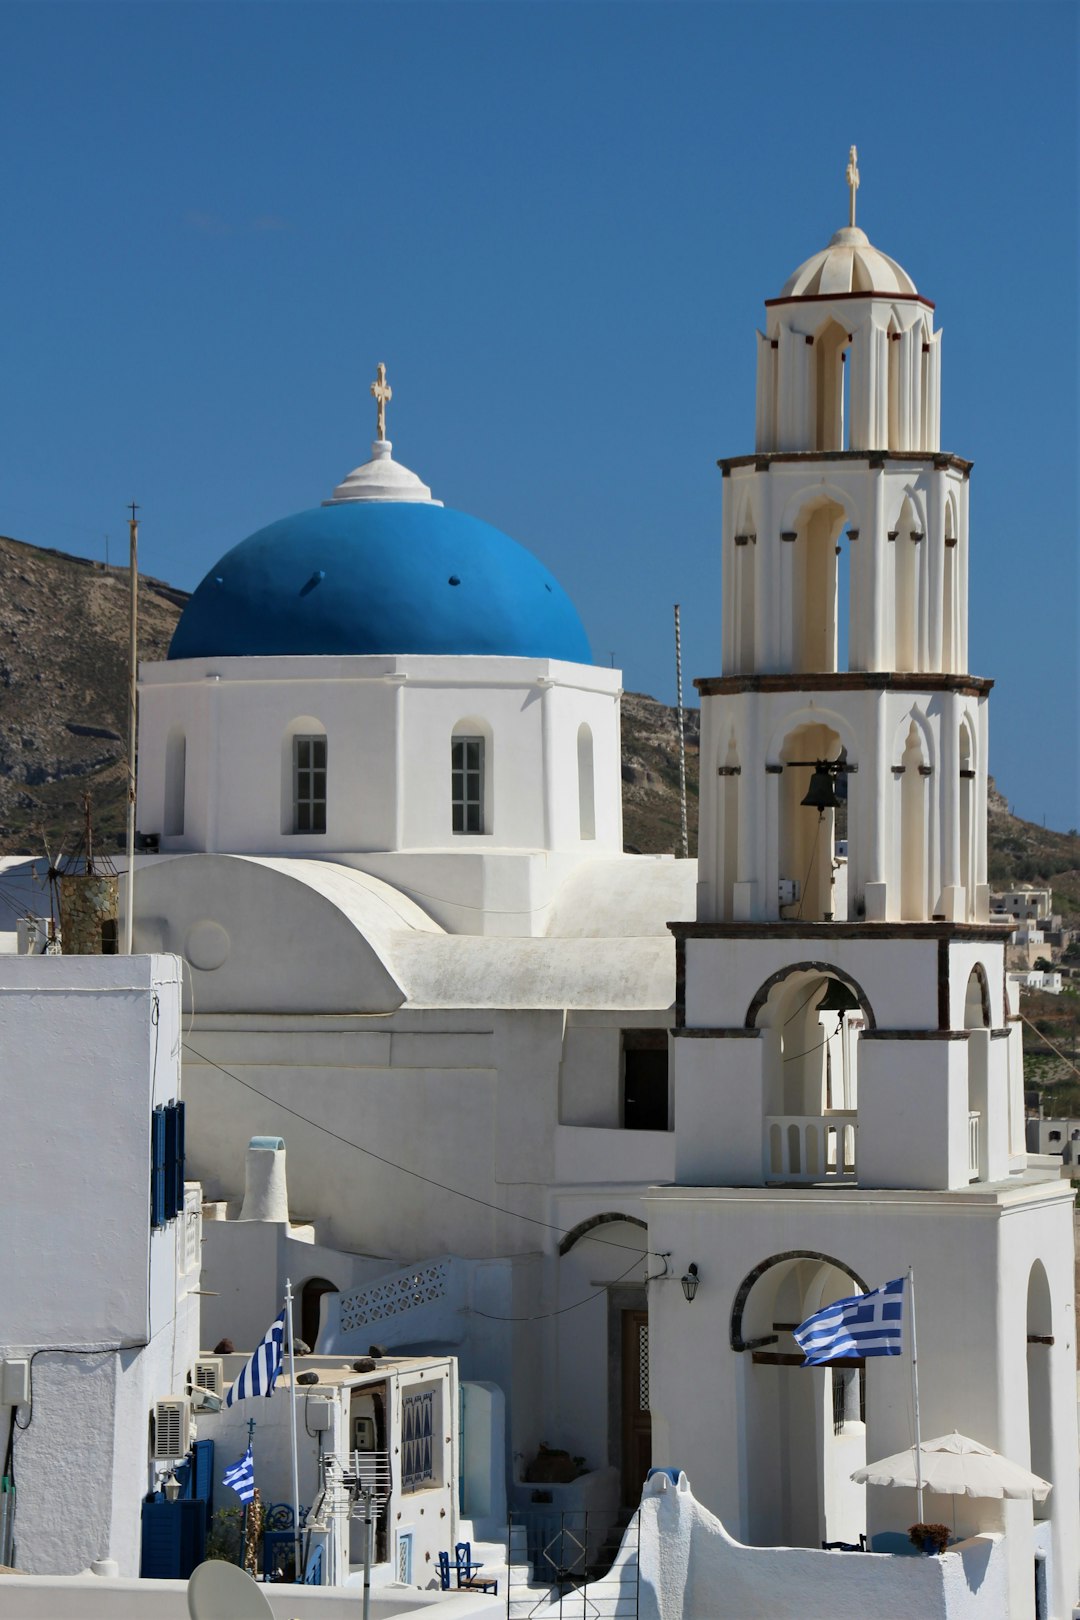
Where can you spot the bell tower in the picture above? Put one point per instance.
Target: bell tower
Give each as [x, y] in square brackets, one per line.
[848, 1069]
[844, 628]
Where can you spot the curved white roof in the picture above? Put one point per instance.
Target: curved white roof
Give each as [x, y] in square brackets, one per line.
[850, 264]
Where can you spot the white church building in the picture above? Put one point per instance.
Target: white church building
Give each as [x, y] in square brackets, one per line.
[384, 776]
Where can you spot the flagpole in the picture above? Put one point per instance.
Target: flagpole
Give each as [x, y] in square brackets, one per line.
[915, 1397]
[299, 1575]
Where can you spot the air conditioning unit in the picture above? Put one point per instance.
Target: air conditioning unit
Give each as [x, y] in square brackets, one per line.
[789, 891]
[172, 1426]
[210, 1374]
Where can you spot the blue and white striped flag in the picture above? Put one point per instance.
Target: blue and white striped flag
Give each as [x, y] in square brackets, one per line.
[260, 1374]
[241, 1477]
[867, 1325]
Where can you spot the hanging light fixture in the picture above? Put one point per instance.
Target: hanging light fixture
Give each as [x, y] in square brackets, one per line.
[690, 1282]
[821, 794]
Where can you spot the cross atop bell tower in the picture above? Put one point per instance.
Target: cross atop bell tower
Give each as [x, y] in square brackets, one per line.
[853, 182]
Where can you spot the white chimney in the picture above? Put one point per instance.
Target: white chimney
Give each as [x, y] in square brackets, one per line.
[266, 1196]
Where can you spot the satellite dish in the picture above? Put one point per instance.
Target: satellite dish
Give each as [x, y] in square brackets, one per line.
[219, 1591]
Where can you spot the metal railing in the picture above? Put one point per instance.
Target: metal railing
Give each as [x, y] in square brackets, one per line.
[578, 1572]
[815, 1147]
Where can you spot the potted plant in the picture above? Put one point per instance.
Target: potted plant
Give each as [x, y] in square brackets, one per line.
[930, 1538]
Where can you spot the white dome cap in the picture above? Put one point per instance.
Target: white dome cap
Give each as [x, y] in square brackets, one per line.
[850, 264]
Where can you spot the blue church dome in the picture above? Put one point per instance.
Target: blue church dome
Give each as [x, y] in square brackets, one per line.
[370, 575]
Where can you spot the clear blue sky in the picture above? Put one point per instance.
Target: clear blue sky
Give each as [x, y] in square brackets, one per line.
[556, 223]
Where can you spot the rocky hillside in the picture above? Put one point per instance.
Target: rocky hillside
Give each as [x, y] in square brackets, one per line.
[63, 656]
[63, 690]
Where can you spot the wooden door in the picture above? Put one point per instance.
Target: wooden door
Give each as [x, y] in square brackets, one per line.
[636, 1418]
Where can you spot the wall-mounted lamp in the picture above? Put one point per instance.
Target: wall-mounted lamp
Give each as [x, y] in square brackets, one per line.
[690, 1282]
[171, 1487]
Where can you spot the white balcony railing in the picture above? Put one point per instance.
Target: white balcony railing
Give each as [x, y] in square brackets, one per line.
[973, 1146]
[810, 1148]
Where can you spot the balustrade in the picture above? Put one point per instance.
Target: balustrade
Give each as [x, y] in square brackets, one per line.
[811, 1147]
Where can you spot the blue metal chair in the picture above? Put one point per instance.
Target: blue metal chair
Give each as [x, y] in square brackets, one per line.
[464, 1567]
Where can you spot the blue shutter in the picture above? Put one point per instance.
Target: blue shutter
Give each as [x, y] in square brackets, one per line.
[157, 1167]
[179, 1112]
[201, 1486]
[173, 1539]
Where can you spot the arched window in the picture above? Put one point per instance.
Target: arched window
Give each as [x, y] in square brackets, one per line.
[304, 777]
[977, 1013]
[586, 784]
[175, 782]
[470, 778]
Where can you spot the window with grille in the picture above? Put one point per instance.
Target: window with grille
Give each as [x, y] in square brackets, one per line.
[309, 784]
[467, 784]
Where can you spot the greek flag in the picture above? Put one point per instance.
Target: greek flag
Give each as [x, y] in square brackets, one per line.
[867, 1325]
[260, 1374]
[241, 1477]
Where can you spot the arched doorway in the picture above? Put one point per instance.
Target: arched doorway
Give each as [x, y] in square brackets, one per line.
[601, 1388]
[311, 1306]
[804, 1429]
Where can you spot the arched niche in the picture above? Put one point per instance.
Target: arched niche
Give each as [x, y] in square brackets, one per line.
[730, 775]
[586, 784]
[912, 776]
[744, 585]
[175, 782]
[796, 1458]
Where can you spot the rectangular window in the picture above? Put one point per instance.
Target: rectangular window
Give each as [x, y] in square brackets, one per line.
[467, 784]
[645, 1079]
[309, 784]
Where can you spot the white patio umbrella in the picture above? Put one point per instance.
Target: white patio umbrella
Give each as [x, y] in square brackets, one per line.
[953, 1465]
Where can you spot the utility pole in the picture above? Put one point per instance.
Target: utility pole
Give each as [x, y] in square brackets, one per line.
[133, 679]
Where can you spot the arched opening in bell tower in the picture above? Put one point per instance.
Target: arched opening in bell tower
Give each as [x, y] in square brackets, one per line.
[1040, 1338]
[950, 608]
[819, 595]
[729, 773]
[811, 1017]
[907, 556]
[966, 801]
[808, 862]
[804, 1429]
[831, 343]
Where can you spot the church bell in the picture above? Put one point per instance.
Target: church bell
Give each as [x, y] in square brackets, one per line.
[837, 999]
[821, 795]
